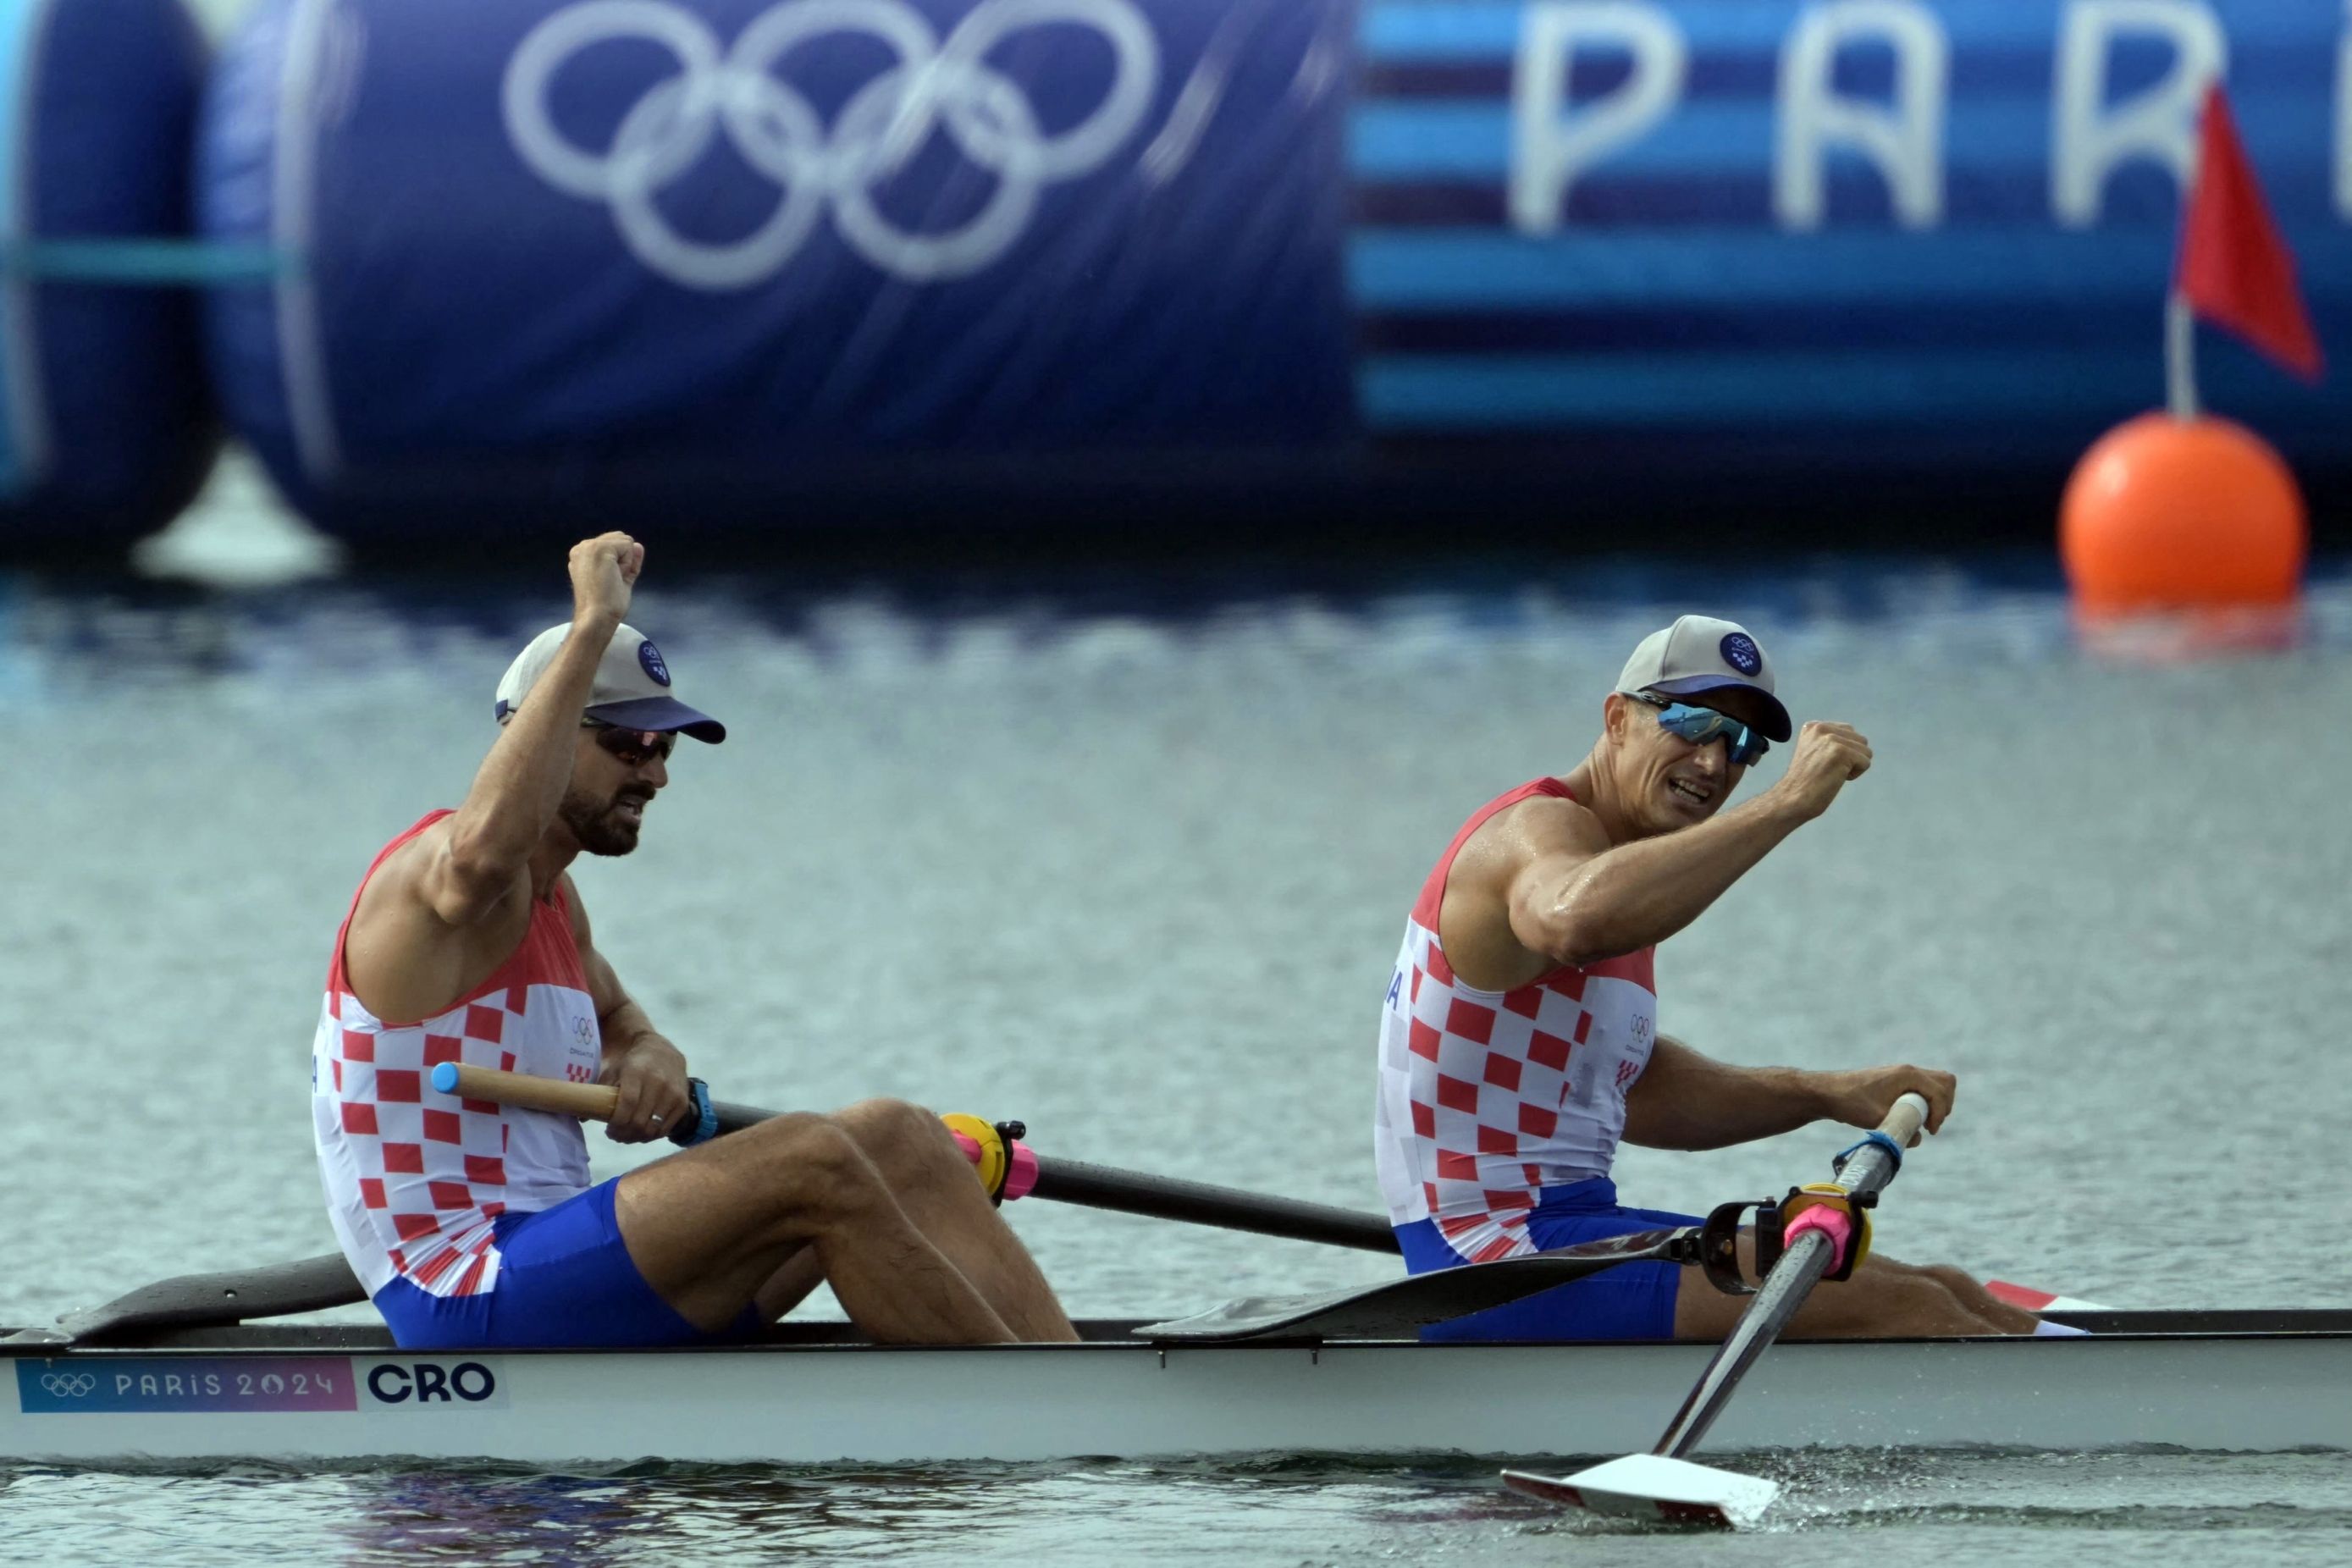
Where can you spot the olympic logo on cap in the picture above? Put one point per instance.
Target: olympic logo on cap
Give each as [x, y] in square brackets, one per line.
[933, 86]
[69, 1384]
[649, 659]
[1741, 652]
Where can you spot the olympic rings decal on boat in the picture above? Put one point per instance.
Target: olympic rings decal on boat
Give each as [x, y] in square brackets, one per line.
[933, 87]
[69, 1384]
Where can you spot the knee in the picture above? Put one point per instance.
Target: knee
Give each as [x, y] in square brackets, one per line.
[1923, 1285]
[893, 1134]
[1959, 1281]
[812, 1173]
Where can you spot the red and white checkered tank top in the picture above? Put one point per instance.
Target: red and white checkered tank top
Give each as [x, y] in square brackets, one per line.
[1488, 1096]
[415, 1176]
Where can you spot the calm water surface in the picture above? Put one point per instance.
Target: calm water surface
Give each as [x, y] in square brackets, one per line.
[1129, 859]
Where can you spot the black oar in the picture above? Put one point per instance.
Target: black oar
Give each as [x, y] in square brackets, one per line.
[1398, 1309]
[1063, 1181]
[1662, 1484]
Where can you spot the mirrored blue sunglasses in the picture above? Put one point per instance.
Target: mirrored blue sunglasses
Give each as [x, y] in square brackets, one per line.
[1700, 725]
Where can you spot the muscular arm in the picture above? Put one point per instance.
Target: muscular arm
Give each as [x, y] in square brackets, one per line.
[446, 907]
[1687, 1100]
[1576, 900]
[620, 1022]
[637, 1058]
[485, 853]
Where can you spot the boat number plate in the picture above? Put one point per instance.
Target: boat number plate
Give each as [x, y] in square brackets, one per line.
[212, 1386]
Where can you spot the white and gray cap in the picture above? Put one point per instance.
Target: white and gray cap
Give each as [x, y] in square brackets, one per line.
[631, 689]
[1699, 653]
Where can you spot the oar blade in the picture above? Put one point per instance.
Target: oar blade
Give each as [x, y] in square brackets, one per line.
[1653, 1488]
[1397, 1309]
[2026, 1298]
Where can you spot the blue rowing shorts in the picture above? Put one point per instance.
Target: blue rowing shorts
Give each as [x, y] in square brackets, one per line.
[1631, 1301]
[565, 1278]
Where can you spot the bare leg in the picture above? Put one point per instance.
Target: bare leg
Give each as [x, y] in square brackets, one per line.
[789, 1284]
[1969, 1291]
[933, 1183]
[710, 1227]
[1884, 1298]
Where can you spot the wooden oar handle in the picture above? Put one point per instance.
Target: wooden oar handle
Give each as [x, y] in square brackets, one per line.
[1903, 1122]
[703, 1121]
[592, 1101]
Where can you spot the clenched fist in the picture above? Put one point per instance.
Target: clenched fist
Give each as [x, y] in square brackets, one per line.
[1828, 757]
[603, 571]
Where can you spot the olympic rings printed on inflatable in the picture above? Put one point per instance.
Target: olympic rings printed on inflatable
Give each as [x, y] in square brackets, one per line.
[933, 87]
[69, 1384]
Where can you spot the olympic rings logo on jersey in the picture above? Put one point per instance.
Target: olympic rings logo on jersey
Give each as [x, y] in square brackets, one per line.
[69, 1384]
[933, 87]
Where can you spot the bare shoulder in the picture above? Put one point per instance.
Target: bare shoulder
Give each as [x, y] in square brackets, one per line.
[1542, 827]
[403, 960]
[1475, 921]
[402, 881]
[1548, 825]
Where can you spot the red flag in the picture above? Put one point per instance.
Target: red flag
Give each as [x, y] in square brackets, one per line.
[2233, 268]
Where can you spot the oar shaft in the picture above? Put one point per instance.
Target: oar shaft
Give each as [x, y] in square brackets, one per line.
[1064, 1180]
[1784, 1290]
[1198, 1203]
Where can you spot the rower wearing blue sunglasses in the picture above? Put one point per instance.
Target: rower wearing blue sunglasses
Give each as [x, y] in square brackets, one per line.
[1519, 1040]
[1701, 725]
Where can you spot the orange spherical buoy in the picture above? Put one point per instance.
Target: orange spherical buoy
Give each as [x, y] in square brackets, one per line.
[2167, 514]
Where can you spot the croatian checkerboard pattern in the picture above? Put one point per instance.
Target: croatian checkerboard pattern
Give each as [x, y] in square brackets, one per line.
[1489, 1097]
[416, 1178]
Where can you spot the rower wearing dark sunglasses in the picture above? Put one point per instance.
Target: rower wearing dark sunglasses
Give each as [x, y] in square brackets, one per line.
[475, 1223]
[1520, 1042]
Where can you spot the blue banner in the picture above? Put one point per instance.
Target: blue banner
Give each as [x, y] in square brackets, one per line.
[1946, 227]
[557, 250]
[725, 261]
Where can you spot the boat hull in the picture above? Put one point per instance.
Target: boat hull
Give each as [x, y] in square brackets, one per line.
[259, 1392]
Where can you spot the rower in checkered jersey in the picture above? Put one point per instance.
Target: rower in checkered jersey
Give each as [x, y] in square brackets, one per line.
[476, 1225]
[1518, 1042]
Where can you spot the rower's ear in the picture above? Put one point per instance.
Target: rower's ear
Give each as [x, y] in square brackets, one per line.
[1613, 709]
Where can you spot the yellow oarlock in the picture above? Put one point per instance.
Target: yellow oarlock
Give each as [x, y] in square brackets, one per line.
[989, 1156]
[1837, 1197]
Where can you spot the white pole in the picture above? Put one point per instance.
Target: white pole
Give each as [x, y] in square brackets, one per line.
[2179, 357]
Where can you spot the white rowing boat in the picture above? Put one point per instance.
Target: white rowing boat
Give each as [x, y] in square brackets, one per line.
[2233, 1381]
[180, 1370]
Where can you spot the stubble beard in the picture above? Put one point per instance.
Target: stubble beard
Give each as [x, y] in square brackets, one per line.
[594, 823]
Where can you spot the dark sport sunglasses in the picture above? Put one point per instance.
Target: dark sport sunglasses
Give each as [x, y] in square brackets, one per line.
[632, 748]
[1700, 725]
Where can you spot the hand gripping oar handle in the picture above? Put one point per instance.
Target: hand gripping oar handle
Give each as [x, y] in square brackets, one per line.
[594, 1100]
[1863, 1171]
[1062, 1181]
[1903, 1124]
